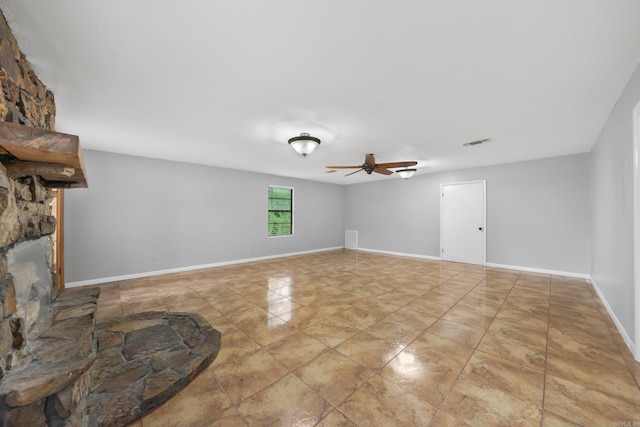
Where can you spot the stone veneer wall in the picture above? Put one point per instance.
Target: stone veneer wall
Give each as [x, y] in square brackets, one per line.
[24, 208]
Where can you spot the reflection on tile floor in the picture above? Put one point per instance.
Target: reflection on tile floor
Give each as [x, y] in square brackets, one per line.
[348, 338]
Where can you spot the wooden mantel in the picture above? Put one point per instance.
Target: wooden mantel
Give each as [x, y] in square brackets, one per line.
[54, 156]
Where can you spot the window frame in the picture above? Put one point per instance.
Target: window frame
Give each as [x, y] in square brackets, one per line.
[291, 211]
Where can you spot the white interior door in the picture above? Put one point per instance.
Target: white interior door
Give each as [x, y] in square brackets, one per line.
[462, 222]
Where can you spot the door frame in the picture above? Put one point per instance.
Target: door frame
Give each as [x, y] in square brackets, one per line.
[484, 214]
[58, 239]
[636, 226]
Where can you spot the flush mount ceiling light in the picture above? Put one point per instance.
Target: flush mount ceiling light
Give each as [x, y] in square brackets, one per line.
[406, 173]
[304, 144]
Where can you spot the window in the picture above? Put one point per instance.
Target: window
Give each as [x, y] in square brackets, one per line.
[280, 211]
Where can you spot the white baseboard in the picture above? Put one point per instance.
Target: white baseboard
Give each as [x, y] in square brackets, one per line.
[489, 264]
[623, 332]
[190, 268]
[540, 270]
[434, 258]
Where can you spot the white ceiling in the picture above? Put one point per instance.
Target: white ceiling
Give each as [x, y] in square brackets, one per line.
[227, 83]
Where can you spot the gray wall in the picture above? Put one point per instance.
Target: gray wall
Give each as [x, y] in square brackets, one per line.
[144, 215]
[612, 207]
[537, 213]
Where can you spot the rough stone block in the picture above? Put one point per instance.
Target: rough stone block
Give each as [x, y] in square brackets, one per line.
[17, 328]
[122, 379]
[29, 215]
[127, 326]
[195, 366]
[17, 358]
[107, 340]
[59, 304]
[10, 89]
[37, 381]
[176, 360]
[75, 420]
[28, 85]
[51, 349]
[210, 336]
[8, 61]
[159, 387]
[74, 294]
[5, 182]
[50, 108]
[9, 218]
[189, 331]
[8, 295]
[41, 91]
[200, 321]
[47, 225]
[6, 337]
[149, 341]
[109, 363]
[38, 192]
[21, 191]
[3, 267]
[69, 328]
[27, 416]
[79, 394]
[4, 108]
[115, 408]
[75, 311]
[63, 402]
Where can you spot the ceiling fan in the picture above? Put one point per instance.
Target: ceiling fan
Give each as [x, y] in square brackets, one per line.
[370, 166]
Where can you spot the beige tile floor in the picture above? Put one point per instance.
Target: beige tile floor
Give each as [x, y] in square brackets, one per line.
[346, 338]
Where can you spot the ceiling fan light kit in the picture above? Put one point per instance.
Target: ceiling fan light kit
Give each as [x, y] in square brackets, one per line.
[370, 166]
[304, 144]
[406, 173]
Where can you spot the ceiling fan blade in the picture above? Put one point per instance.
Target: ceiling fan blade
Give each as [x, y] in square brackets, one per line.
[383, 171]
[343, 167]
[397, 165]
[359, 170]
[370, 160]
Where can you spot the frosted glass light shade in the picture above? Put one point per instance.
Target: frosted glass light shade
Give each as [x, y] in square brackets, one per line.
[406, 173]
[304, 144]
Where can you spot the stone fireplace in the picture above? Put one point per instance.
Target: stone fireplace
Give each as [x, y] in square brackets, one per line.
[57, 366]
[29, 272]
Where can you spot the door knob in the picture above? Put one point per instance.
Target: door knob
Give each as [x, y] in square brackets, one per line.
[480, 228]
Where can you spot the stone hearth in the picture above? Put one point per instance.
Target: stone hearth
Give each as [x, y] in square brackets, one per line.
[143, 360]
[127, 367]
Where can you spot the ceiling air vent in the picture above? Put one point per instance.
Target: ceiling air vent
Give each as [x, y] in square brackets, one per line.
[481, 141]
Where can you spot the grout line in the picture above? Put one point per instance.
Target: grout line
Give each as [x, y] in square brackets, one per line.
[441, 407]
[233, 404]
[546, 352]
